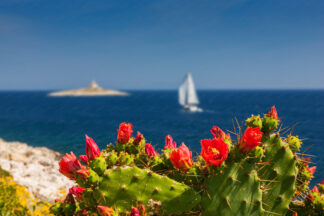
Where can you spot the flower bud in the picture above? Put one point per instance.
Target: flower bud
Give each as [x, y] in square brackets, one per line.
[254, 121]
[169, 144]
[139, 137]
[104, 211]
[69, 165]
[294, 143]
[272, 113]
[311, 170]
[91, 149]
[150, 150]
[77, 191]
[181, 157]
[124, 132]
[250, 139]
[84, 158]
[270, 121]
[134, 212]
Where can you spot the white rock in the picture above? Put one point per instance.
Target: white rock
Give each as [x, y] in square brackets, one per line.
[34, 167]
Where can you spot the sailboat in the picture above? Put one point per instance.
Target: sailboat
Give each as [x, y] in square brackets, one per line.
[188, 96]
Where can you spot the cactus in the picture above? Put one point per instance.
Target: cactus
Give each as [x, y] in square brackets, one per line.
[279, 174]
[235, 191]
[261, 173]
[124, 187]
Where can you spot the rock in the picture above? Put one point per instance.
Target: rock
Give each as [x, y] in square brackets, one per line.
[34, 167]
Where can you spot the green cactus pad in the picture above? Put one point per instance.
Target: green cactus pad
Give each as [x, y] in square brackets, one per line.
[279, 175]
[235, 191]
[125, 187]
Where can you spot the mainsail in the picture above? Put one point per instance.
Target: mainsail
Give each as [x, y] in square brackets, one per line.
[187, 92]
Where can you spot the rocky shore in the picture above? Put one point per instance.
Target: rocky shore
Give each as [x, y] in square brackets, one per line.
[34, 167]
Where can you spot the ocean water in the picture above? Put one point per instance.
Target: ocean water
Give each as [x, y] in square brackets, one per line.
[60, 123]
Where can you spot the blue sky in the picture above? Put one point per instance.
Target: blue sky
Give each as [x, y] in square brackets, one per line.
[58, 44]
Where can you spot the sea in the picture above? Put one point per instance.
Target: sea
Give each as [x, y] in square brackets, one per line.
[60, 123]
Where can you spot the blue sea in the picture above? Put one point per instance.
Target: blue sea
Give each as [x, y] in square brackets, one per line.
[60, 123]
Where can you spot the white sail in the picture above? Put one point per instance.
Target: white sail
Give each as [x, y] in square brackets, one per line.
[192, 98]
[182, 93]
[187, 92]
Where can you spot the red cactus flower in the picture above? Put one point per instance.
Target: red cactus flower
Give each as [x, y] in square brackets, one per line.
[181, 157]
[134, 212]
[214, 151]
[250, 139]
[322, 182]
[311, 170]
[104, 210]
[150, 150]
[315, 189]
[218, 133]
[169, 144]
[124, 133]
[69, 165]
[272, 113]
[84, 158]
[295, 214]
[91, 148]
[77, 191]
[83, 173]
[139, 137]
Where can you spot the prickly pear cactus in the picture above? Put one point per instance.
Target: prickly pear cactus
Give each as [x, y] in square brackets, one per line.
[259, 173]
[124, 187]
[279, 173]
[235, 191]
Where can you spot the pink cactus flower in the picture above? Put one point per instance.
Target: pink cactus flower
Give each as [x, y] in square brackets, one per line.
[84, 158]
[169, 144]
[77, 191]
[124, 132]
[134, 212]
[69, 165]
[150, 150]
[139, 137]
[104, 210]
[91, 149]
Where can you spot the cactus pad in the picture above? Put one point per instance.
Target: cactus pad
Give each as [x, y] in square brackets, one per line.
[279, 175]
[236, 191]
[125, 187]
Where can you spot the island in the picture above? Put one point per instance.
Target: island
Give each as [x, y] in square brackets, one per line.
[93, 90]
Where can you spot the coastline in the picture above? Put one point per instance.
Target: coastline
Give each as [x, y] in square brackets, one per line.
[34, 167]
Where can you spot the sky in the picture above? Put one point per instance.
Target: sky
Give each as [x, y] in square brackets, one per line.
[239, 44]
